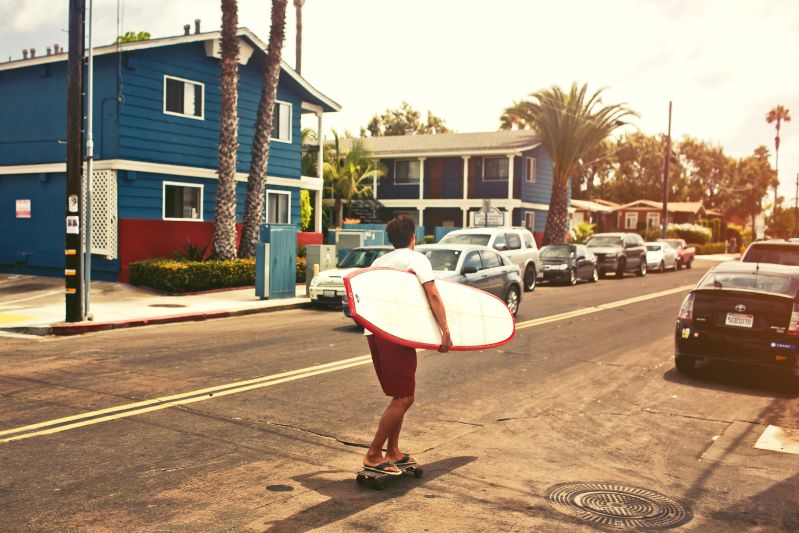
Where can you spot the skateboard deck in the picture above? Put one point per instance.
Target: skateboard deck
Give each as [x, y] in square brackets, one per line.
[378, 480]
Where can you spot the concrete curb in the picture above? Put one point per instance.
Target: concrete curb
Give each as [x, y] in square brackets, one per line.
[66, 328]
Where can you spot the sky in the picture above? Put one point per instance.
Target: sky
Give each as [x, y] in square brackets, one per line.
[723, 63]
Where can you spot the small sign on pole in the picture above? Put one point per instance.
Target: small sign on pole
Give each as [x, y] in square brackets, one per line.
[73, 225]
[23, 208]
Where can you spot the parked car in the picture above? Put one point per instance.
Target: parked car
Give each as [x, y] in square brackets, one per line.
[660, 256]
[327, 288]
[778, 252]
[517, 244]
[618, 253]
[744, 313]
[477, 266]
[566, 263]
[685, 253]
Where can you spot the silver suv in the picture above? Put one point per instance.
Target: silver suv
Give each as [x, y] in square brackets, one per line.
[516, 244]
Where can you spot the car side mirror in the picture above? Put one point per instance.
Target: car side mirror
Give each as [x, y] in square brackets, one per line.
[471, 269]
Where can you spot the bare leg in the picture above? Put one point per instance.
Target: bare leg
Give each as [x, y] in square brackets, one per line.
[389, 426]
[393, 452]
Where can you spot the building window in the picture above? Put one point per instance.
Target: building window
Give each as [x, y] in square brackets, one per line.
[278, 207]
[653, 220]
[281, 122]
[495, 169]
[529, 220]
[630, 220]
[182, 201]
[184, 98]
[407, 171]
[530, 169]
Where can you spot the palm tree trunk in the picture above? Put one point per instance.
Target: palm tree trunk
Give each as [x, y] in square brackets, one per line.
[558, 216]
[298, 55]
[254, 208]
[225, 226]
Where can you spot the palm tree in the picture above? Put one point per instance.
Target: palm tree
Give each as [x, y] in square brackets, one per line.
[224, 243]
[254, 207]
[298, 52]
[778, 114]
[349, 172]
[570, 125]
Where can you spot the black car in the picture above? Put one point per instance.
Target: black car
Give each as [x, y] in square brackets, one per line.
[741, 312]
[566, 263]
[619, 253]
[779, 252]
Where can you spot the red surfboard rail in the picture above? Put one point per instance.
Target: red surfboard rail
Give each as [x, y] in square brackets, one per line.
[384, 335]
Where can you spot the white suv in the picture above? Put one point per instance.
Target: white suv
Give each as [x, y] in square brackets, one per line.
[517, 244]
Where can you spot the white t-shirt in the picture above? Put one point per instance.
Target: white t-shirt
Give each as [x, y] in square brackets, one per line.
[406, 259]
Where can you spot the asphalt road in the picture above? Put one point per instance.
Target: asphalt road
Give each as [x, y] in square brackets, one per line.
[116, 436]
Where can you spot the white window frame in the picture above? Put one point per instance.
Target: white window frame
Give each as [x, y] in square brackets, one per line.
[181, 184]
[630, 215]
[530, 216]
[288, 207]
[418, 175]
[279, 103]
[483, 169]
[202, 96]
[652, 220]
[530, 170]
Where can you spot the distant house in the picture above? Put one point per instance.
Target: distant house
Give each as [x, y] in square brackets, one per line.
[156, 130]
[597, 212]
[444, 179]
[648, 213]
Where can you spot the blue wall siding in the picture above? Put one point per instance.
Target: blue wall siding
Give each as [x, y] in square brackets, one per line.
[148, 134]
[541, 190]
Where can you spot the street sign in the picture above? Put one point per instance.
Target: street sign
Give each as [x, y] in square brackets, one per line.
[490, 218]
[23, 208]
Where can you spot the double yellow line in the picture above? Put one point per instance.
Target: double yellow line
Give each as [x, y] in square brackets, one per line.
[123, 411]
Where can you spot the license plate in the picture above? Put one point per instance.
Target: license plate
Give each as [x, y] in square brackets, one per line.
[738, 320]
[329, 294]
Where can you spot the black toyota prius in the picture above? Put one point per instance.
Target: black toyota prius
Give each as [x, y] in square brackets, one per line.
[744, 313]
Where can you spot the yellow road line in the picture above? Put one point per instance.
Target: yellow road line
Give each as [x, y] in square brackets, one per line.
[123, 411]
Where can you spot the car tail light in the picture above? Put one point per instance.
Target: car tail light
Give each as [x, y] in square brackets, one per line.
[687, 309]
[793, 326]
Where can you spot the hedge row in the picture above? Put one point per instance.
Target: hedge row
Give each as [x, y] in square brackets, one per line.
[176, 276]
[709, 248]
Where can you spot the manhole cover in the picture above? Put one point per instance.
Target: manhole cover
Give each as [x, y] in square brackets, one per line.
[618, 506]
[167, 305]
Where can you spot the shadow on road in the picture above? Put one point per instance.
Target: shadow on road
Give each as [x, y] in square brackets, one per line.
[346, 498]
[740, 379]
[764, 509]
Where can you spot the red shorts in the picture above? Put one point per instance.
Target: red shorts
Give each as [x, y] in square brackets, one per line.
[395, 366]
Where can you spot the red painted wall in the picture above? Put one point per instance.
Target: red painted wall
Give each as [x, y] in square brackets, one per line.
[539, 237]
[143, 239]
[304, 238]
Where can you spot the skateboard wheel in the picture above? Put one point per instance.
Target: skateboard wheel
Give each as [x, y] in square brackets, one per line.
[359, 480]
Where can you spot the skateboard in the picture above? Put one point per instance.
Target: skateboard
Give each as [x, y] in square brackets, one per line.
[378, 480]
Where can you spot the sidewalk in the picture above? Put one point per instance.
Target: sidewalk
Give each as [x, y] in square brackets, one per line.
[34, 305]
[719, 258]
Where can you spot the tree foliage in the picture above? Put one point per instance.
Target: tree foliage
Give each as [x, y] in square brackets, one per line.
[132, 36]
[305, 210]
[405, 120]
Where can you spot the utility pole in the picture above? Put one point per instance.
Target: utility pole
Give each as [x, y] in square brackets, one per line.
[73, 249]
[665, 215]
[796, 209]
[87, 264]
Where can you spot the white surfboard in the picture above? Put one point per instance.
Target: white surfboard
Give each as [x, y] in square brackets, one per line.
[392, 304]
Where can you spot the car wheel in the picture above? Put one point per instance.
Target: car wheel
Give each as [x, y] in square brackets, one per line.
[689, 263]
[641, 269]
[674, 267]
[594, 276]
[529, 278]
[512, 300]
[573, 277]
[685, 364]
[620, 270]
[678, 264]
[662, 267]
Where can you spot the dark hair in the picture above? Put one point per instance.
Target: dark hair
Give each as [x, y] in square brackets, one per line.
[400, 229]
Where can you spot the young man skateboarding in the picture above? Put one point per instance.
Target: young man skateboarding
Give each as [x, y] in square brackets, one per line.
[395, 365]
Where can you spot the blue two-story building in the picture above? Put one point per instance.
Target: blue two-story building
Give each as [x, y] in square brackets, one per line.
[445, 179]
[156, 134]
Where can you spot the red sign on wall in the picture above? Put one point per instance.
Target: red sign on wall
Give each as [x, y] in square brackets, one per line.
[23, 208]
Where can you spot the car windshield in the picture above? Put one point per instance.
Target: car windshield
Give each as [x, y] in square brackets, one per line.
[780, 254]
[653, 248]
[442, 259]
[480, 239]
[360, 258]
[555, 252]
[750, 281]
[604, 240]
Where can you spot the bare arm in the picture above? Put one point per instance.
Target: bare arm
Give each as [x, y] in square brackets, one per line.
[437, 306]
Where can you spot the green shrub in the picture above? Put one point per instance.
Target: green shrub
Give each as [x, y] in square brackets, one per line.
[693, 233]
[580, 233]
[429, 239]
[178, 276]
[710, 248]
